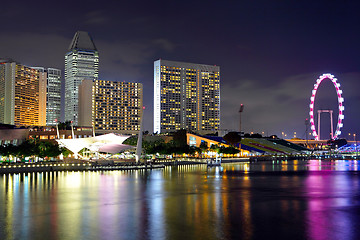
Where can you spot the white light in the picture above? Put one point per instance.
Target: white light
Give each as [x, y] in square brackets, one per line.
[341, 116]
[338, 133]
[340, 91]
[341, 125]
[338, 85]
[311, 105]
[311, 113]
[313, 127]
[314, 92]
[312, 98]
[342, 108]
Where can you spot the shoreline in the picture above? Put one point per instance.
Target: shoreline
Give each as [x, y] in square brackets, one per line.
[80, 165]
[108, 165]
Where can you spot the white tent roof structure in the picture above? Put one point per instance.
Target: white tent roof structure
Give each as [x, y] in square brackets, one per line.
[110, 143]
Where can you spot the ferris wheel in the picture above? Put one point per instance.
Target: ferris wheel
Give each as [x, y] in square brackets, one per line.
[340, 105]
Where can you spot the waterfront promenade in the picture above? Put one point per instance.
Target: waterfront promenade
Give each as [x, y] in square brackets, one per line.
[76, 165]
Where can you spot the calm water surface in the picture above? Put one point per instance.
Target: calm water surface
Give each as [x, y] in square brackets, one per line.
[279, 200]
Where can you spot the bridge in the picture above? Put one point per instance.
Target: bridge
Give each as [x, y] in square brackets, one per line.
[311, 144]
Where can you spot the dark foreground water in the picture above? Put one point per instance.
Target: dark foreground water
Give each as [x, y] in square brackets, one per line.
[280, 200]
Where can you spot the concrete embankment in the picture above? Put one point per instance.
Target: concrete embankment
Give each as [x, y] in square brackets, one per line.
[277, 158]
[234, 160]
[51, 167]
[100, 165]
[43, 167]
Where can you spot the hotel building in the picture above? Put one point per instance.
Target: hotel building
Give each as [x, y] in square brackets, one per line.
[110, 105]
[53, 94]
[186, 96]
[81, 62]
[22, 95]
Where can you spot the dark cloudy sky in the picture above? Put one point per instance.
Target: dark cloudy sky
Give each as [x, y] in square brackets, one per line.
[270, 52]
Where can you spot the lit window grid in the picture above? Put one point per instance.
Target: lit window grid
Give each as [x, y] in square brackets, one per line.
[26, 96]
[170, 103]
[79, 65]
[117, 105]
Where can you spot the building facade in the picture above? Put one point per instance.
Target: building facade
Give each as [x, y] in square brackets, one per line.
[22, 95]
[81, 62]
[53, 94]
[110, 105]
[186, 96]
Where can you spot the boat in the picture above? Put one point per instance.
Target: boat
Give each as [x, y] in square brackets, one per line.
[214, 162]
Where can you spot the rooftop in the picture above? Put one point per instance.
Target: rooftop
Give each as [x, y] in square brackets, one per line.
[82, 41]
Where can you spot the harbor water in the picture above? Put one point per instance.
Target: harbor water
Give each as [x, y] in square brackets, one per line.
[265, 200]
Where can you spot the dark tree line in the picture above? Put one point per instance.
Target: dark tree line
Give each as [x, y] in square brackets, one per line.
[178, 146]
[31, 147]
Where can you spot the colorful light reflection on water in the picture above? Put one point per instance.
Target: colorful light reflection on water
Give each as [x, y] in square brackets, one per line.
[287, 200]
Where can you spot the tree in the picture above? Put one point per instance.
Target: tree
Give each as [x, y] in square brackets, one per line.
[256, 135]
[47, 149]
[228, 150]
[26, 149]
[215, 147]
[204, 146]
[66, 152]
[64, 125]
[131, 141]
[232, 138]
[179, 138]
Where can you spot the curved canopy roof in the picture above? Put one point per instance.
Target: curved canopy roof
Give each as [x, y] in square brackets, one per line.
[110, 143]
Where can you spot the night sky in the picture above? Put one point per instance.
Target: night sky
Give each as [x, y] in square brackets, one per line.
[270, 52]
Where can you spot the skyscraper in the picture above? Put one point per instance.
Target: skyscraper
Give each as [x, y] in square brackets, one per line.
[81, 62]
[22, 95]
[110, 105]
[53, 94]
[186, 95]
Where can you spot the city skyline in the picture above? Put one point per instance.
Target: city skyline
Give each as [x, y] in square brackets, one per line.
[270, 53]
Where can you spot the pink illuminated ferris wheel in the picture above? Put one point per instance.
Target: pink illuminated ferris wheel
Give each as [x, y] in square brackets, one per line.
[340, 105]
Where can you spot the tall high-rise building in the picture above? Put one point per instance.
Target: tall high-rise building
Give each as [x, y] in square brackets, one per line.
[186, 96]
[111, 105]
[53, 94]
[22, 95]
[81, 62]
